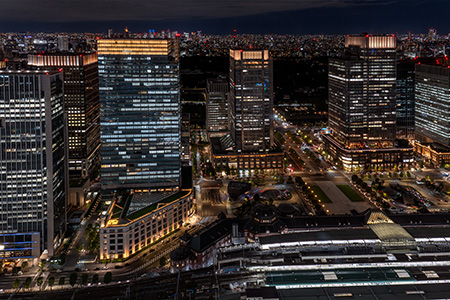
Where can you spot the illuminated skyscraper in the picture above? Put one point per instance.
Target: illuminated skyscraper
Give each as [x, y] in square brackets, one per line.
[217, 107]
[82, 107]
[362, 103]
[432, 101]
[405, 98]
[33, 165]
[140, 114]
[251, 100]
[141, 140]
[249, 146]
[63, 43]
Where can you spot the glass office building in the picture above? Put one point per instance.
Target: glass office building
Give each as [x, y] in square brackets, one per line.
[217, 107]
[405, 98]
[362, 93]
[251, 100]
[33, 165]
[362, 105]
[139, 114]
[81, 106]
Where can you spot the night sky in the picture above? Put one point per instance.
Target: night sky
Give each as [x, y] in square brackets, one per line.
[222, 16]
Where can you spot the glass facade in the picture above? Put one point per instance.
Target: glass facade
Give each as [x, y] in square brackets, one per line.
[362, 93]
[217, 107]
[405, 99]
[139, 114]
[432, 104]
[81, 105]
[33, 171]
[251, 100]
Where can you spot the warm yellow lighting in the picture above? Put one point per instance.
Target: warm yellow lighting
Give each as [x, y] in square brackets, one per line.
[132, 47]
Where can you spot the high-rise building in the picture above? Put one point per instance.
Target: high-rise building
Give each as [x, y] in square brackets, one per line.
[63, 43]
[251, 100]
[362, 104]
[81, 101]
[33, 165]
[432, 118]
[249, 145]
[141, 139]
[405, 99]
[217, 107]
[140, 114]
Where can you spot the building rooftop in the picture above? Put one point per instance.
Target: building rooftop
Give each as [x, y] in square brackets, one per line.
[320, 235]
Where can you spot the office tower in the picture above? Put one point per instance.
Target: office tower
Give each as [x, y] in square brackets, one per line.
[82, 108]
[405, 98]
[362, 104]
[140, 154]
[217, 107]
[432, 118]
[249, 145]
[185, 139]
[33, 166]
[251, 100]
[140, 114]
[63, 43]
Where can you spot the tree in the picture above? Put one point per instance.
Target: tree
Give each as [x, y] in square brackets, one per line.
[40, 281]
[24, 265]
[79, 247]
[256, 198]
[107, 278]
[51, 282]
[95, 279]
[354, 177]
[16, 283]
[27, 283]
[62, 260]
[62, 281]
[84, 279]
[162, 261]
[42, 265]
[73, 279]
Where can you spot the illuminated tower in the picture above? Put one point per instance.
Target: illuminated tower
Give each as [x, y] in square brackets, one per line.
[362, 94]
[33, 165]
[251, 100]
[140, 114]
[82, 107]
[362, 104]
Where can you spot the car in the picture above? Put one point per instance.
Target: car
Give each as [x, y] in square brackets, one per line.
[118, 267]
[58, 270]
[105, 268]
[97, 269]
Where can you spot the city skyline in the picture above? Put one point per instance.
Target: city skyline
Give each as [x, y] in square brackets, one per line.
[172, 151]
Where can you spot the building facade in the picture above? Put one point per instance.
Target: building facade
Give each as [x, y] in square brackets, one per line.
[33, 163]
[432, 118]
[217, 107]
[122, 237]
[82, 107]
[251, 100]
[140, 114]
[362, 102]
[405, 98]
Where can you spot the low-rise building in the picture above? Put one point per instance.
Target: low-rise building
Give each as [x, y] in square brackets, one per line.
[129, 228]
